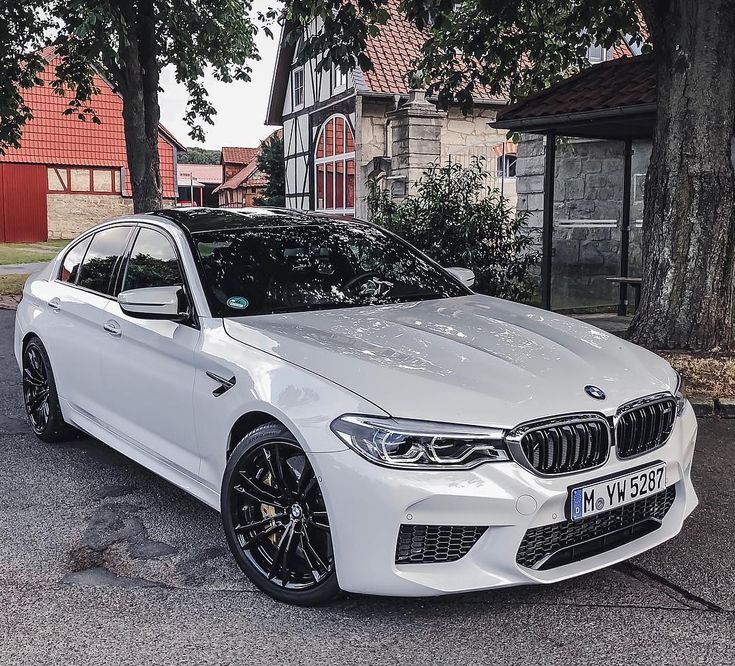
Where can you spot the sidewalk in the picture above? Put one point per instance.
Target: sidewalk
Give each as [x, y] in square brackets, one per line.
[15, 269]
[609, 322]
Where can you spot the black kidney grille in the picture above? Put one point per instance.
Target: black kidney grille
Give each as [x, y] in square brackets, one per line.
[644, 428]
[423, 544]
[554, 545]
[560, 448]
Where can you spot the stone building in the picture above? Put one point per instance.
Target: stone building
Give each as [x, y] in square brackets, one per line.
[341, 129]
[67, 174]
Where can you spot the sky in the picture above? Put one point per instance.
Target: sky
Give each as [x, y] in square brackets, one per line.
[241, 107]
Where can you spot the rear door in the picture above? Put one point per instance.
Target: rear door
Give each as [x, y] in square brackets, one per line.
[75, 334]
[149, 369]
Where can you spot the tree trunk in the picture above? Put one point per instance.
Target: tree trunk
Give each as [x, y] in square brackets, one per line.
[688, 223]
[141, 112]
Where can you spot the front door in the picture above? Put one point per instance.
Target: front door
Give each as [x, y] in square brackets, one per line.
[74, 317]
[148, 368]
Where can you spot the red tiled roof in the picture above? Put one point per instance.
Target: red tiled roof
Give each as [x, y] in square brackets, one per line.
[55, 139]
[211, 174]
[624, 82]
[238, 155]
[235, 181]
[249, 174]
[393, 53]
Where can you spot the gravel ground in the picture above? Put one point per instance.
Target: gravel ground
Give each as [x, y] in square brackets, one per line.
[101, 562]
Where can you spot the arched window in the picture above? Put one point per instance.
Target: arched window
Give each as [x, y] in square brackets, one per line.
[334, 160]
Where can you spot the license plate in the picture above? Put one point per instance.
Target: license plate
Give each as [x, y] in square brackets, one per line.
[608, 494]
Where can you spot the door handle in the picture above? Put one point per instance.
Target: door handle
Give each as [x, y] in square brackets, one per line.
[55, 304]
[113, 328]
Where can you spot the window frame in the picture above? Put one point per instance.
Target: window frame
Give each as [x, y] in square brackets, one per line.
[116, 178]
[129, 255]
[504, 162]
[339, 79]
[116, 269]
[85, 238]
[294, 101]
[334, 159]
[606, 54]
[193, 320]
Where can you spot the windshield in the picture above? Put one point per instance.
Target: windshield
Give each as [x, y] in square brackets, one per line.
[308, 267]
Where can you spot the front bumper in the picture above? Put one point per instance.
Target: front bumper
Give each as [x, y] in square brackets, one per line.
[367, 505]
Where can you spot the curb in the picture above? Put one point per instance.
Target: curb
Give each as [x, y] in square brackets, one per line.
[722, 407]
[9, 302]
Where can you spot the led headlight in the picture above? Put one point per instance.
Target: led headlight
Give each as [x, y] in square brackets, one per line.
[420, 444]
[681, 401]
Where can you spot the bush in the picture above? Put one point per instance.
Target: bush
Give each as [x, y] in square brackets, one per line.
[458, 220]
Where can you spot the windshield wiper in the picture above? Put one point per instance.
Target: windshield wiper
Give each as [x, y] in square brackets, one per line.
[312, 306]
[418, 297]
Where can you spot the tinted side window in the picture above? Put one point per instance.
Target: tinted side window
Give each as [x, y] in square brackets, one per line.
[153, 262]
[99, 263]
[72, 261]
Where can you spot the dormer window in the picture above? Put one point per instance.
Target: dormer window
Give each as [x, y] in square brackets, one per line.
[597, 54]
[297, 87]
[340, 79]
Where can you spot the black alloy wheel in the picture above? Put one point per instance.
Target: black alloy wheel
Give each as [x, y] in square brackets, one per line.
[40, 396]
[276, 520]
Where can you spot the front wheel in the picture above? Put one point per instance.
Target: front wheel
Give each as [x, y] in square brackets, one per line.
[275, 518]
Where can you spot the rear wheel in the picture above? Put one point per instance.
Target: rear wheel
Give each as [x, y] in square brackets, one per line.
[40, 396]
[275, 518]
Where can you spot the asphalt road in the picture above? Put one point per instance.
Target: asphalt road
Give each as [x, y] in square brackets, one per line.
[101, 562]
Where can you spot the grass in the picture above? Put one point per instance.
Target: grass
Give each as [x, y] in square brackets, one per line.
[705, 375]
[25, 253]
[12, 285]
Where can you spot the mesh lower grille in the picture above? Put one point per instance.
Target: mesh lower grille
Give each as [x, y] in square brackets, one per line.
[561, 543]
[644, 428]
[423, 544]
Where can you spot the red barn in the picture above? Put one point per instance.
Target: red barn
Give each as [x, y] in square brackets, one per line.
[69, 174]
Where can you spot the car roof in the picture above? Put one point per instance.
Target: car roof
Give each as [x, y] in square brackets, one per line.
[195, 220]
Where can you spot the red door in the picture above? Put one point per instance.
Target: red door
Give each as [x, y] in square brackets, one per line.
[23, 214]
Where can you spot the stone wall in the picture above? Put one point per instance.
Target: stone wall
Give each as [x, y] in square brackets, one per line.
[461, 139]
[71, 214]
[588, 200]
[467, 137]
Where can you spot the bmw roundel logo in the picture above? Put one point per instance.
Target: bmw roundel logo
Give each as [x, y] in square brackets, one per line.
[594, 392]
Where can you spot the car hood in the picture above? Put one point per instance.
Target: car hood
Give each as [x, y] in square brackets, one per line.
[474, 359]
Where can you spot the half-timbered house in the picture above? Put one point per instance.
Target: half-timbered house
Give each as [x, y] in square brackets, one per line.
[340, 130]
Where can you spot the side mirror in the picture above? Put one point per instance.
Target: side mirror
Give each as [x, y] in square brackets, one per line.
[155, 303]
[465, 275]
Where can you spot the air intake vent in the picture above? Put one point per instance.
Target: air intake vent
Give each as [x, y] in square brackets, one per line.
[570, 541]
[644, 425]
[561, 445]
[423, 544]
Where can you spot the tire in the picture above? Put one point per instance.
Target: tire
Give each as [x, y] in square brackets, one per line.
[275, 519]
[40, 397]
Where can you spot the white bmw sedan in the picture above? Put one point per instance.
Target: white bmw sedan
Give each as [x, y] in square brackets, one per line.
[362, 420]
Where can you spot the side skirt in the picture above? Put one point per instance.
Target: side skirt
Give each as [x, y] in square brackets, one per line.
[141, 454]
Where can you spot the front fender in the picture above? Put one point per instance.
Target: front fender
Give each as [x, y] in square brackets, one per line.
[302, 400]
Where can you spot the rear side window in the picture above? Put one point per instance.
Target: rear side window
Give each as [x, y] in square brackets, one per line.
[153, 262]
[72, 262]
[101, 259]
